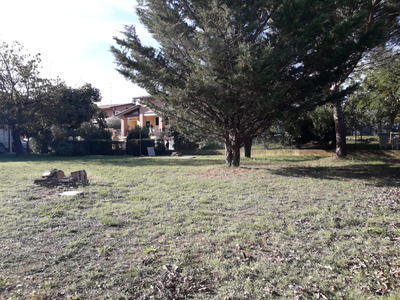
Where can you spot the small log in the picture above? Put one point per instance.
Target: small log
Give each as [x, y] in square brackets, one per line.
[55, 182]
[53, 173]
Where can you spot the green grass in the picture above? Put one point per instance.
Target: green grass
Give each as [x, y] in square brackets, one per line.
[283, 227]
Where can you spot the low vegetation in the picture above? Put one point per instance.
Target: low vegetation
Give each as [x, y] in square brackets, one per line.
[284, 227]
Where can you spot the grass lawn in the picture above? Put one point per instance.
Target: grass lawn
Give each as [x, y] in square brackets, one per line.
[284, 227]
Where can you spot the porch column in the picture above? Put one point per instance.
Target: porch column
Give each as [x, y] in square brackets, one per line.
[142, 118]
[124, 126]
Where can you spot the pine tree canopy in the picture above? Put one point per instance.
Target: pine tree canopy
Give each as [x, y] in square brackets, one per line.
[227, 69]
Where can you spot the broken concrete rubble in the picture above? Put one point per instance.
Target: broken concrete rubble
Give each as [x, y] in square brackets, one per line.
[71, 193]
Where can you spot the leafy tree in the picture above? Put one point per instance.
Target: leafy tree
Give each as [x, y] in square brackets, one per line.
[380, 90]
[30, 105]
[114, 122]
[78, 105]
[323, 128]
[89, 131]
[22, 92]
[180, 141]
[228, 69]
[359, 116]
[316, 126]
[138, 133]
[298, 128]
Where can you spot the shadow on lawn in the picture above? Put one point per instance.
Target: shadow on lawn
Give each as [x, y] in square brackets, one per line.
[280, 159]
[377, 175]
[127, 161]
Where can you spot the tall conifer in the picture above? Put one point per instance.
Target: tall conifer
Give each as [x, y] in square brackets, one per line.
[227, 69]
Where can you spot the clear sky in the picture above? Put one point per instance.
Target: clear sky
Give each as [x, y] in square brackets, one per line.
[73, 38]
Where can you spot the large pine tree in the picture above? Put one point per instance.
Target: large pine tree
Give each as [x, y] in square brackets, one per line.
[381, 23]
[227, 69]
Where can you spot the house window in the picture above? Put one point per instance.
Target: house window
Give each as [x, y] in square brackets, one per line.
[157, 121]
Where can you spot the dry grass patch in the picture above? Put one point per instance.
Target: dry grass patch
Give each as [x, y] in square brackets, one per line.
[278, 227]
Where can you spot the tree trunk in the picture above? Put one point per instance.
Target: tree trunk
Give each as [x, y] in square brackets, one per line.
[236, 155]
[228, 153]
[19, 150]
[232, 153]
[247, 148]
[340, 130]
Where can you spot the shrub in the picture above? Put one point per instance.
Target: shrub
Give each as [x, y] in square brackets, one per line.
[105, 147]
[64, 149]
[40, 142]
[133, 147]
[324, 126]
[138, 133]
[181, 142]
[88, 131]
[160, 147]
[100, 147]
[299, 130]
[71, 148]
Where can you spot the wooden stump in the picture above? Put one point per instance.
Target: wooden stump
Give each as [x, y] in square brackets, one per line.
[56, 178]
[80, 176]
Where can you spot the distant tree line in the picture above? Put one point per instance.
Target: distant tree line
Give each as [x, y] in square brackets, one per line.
[43, 109]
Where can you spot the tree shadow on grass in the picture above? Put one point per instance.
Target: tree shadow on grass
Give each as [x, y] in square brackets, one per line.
[376, 175]
[127, 161]
[280, 159]
[165, 161]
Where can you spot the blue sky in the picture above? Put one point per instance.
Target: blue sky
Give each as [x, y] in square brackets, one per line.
[74, 38]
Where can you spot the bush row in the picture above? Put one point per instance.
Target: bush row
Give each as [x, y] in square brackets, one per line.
[108, 147]
[138, 147]
[92, 147]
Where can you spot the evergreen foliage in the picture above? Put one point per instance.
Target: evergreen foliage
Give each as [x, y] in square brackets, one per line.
[228, 69]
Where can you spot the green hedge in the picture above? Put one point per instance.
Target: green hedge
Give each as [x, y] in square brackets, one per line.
[93, 147]
[71, 148]
[105, 147]
[133, 147]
